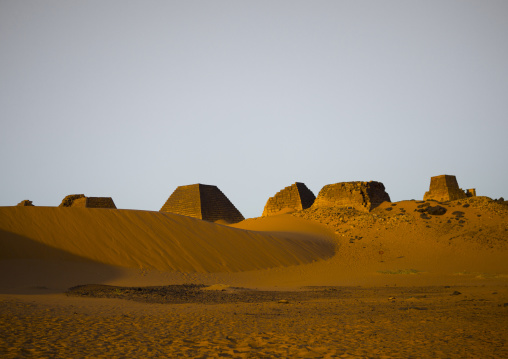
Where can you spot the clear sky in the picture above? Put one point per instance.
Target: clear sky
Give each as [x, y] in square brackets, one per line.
[130, 99]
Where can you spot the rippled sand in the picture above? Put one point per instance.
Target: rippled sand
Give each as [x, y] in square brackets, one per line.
[416, 322]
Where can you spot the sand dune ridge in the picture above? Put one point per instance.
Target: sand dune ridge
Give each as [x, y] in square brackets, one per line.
[153, 240]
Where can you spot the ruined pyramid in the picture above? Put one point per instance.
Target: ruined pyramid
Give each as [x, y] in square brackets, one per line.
[446, 188]
[294, 197]
[363, 196]
[80, 200]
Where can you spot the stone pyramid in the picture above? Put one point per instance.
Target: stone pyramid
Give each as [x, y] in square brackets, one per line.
[294, 197]
[444, 188]
[202, 201]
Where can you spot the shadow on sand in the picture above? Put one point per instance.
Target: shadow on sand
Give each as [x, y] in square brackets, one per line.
[30, 267]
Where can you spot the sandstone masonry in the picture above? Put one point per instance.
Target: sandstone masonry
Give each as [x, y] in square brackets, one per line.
[94, 202]
[471, 192]
[204, 202]
[445, 188]
[296, 197]
[79, 200]
[69, 199]
[362, 196]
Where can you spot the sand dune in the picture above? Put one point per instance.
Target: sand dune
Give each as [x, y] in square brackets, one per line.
[148, 240]
[328, 246]
[394, 245]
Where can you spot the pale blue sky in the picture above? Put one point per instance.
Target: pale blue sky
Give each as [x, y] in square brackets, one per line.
[131, 99]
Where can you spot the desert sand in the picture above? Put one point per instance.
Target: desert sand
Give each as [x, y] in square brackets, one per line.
[321, 283]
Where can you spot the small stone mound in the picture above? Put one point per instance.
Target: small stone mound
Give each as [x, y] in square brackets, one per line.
[487, 204]
[294, 197]
[500, 201]
[25, 203]
[363, 196]
[69, 200]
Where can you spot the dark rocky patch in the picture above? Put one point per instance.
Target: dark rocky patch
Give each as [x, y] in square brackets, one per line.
[195, 293]
[436, 210]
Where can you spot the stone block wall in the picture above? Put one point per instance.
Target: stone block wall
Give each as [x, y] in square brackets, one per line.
[203, 202]
[98, 202]
[296, 197]
[185, 200]
[362, 196]
[444, 188]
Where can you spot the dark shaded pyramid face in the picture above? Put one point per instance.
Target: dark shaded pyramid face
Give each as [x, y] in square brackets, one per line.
[307, 197]
[99, 202]
[201, 201]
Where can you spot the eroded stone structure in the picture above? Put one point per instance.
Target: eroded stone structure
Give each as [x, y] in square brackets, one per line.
[25, 203]
[80, 200]
[294, 197]
[69, 200]
[362, 196]
[444, 188]
[202, 201]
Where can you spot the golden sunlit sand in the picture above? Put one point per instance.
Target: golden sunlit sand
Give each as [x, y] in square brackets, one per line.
[322, 282]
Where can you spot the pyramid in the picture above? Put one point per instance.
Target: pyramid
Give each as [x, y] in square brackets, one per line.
[79, 200]
[295, 197]
[362, 196]
[444, 188]
[204, 202]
